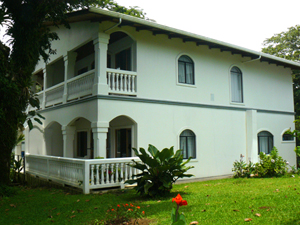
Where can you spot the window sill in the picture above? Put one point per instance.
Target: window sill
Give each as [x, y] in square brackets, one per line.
[238, 103]
[186, 85]
[288, 142]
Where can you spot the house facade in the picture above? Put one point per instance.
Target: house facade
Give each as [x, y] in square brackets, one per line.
[118, 82]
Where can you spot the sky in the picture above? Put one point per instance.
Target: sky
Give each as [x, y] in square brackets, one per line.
[239, 22]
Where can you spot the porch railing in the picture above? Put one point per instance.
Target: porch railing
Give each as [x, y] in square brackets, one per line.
[86, 174]
[121, 81]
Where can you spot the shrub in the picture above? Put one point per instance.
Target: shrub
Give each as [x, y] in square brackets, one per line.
[271, 165]
[159, 170]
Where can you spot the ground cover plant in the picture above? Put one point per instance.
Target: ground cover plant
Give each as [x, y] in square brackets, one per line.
[227, 201]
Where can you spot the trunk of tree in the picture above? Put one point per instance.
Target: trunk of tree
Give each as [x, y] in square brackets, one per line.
[7, 142]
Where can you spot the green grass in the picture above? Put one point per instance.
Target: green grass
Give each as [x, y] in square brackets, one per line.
[227, 201]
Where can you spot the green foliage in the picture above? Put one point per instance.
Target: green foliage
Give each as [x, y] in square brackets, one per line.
[271, 165]
[159, 170]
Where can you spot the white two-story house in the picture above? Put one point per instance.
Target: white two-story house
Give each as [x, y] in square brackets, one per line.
[118, 82]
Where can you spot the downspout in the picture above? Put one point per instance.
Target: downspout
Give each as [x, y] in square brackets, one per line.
[252, 60]
[120, 21]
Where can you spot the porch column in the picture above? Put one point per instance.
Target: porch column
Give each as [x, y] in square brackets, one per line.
[251, 136]
[100, 83]
[100, 130]
[44, 89]
[69, 61]
[68, 138]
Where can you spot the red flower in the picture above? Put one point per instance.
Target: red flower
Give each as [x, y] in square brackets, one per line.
[112, 209]
[179, 200]
[118, 206]
[130, 210]
[143, 212]
[138, 207]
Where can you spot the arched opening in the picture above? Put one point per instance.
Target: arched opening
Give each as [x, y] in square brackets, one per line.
[36, 141]
[54, 139]
[83, 138]
[121, 137]
[121, 52]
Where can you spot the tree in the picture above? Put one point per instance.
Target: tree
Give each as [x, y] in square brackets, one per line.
[287, 45]
[30, 39]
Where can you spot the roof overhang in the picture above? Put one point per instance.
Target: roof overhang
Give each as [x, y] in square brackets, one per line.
[100, 15]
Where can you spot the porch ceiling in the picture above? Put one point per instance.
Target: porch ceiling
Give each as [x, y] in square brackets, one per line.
[99, 15]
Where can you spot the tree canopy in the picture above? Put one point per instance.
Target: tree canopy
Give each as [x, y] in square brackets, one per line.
[287, 45]
[30, 38]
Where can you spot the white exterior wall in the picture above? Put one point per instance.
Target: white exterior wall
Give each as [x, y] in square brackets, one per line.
[221, 131]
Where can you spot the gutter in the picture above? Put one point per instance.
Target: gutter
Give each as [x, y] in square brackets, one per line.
[120, 21]
[252, 60]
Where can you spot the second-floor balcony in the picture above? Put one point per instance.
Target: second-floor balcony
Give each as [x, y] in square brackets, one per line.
[119, 82]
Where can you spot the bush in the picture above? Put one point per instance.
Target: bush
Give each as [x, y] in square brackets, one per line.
[160, 170]
[271, 165]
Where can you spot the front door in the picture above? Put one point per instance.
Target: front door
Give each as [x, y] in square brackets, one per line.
[123, 142]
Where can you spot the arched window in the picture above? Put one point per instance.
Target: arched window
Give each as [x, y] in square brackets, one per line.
[236, 85]
[188, 144]
[186, 70]
[265, 142]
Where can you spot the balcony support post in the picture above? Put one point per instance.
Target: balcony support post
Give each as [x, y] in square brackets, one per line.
[44, 89]
[101, 45]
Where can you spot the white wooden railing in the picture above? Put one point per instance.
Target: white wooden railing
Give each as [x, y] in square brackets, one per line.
[118, 81]
[86, 174]
[54, 95]
[81, 85]
[121, 81]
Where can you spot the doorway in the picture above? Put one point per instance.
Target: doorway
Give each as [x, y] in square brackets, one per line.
[123, 142]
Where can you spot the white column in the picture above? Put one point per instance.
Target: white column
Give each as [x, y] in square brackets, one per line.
[100, 130]
[251, 136]
[65, 96]
[69, 62]
[69, 137]
[44, 89]
[101, 45]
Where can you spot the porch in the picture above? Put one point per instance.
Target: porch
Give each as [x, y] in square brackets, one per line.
[105, 65]
[85, 174]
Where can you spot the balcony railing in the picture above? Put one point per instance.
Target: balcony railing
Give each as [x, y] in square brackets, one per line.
[121, 82]
[81, 85]
[54, 95]
[118, 81]
[86, 174]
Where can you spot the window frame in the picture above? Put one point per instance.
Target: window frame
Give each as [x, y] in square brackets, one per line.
[193, 151]
[178, 63]
[240, 83]
[270, 138]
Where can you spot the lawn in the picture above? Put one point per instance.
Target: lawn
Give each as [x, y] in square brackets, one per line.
[227, 201]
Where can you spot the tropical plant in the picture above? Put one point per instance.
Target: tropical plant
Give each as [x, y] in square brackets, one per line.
[159, 170]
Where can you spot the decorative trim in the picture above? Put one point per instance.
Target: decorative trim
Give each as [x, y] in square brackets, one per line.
[163, 102]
